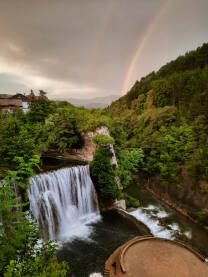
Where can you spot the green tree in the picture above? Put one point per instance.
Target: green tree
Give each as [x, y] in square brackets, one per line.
[161, 93]
[103, 175]
[63, 131]
[15, 139]
[118, 133]
[40, 107]
[129, 161]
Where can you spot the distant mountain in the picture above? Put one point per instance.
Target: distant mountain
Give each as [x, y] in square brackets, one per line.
[97, 102]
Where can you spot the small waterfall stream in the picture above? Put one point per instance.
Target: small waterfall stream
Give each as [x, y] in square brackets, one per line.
[64, 202]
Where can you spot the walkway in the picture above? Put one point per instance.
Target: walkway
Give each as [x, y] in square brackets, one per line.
[155, 257]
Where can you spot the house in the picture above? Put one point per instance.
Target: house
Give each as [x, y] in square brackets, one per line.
[13, 102]
[24, 99]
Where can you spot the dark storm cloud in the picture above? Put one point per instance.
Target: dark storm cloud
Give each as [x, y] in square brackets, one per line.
[72, 47]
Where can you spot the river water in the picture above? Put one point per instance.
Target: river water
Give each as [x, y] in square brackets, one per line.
[64, 203]
[165, 222]
[87, 244]
[87, 256]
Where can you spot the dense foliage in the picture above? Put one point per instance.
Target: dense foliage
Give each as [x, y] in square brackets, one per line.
[102, 139]
[166, 114]
[103, 175]
[128, 161]
[62, 131]
[40, 107]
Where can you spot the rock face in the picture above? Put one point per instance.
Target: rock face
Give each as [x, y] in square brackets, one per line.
[86, 152]
[121, 204]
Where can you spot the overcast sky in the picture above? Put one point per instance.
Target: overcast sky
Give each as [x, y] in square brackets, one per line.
[93, 48]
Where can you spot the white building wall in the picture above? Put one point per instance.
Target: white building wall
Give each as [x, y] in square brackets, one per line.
[25, 106]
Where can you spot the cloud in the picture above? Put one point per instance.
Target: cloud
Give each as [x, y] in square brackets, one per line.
[83, 48]
[10, 83]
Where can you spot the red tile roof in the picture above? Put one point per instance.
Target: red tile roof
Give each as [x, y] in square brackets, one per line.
[32, 96]
[11, 103]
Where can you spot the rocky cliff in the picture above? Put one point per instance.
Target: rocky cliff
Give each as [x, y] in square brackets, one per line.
[86, 152]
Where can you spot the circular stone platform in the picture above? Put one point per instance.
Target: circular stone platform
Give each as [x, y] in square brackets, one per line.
[155, 257]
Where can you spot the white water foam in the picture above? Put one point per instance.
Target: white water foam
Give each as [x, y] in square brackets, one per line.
[64, 202]
[151, 223]
[149, 216]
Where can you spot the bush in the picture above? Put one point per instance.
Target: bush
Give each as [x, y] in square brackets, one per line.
[43, 264]
[131, 201]
[102, 139]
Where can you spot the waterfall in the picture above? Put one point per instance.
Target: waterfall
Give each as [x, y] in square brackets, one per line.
[64, 202]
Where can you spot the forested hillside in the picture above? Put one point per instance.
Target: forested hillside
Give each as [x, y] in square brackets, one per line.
[166, 114]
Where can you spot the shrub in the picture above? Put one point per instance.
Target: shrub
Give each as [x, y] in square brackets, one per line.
[131, 201]
[102, 139]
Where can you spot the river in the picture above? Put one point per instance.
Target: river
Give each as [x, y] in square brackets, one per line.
[166, 222]
[87, 244]
[87, 256]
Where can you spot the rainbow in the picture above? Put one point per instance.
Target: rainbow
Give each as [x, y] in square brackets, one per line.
[99, 43]
[140, 46]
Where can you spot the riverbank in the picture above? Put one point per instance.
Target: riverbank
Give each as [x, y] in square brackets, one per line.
[165, 221]
[154, 186]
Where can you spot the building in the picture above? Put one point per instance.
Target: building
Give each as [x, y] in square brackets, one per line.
[13, 102]
[24, 99]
